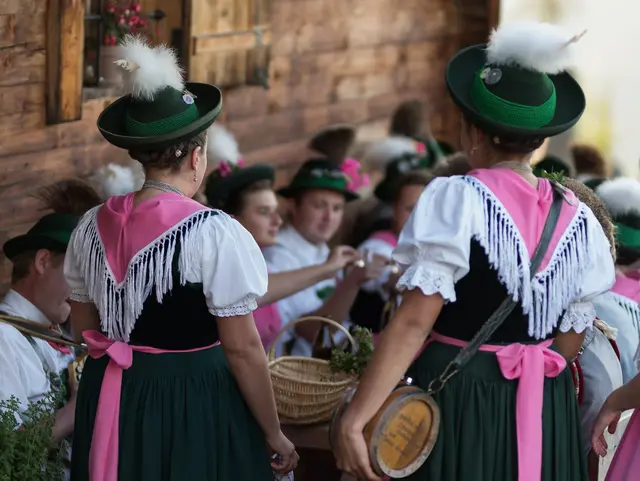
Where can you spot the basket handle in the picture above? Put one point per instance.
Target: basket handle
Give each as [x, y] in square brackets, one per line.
[271, 355]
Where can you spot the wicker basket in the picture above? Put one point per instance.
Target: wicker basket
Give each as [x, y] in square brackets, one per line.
[305, 389]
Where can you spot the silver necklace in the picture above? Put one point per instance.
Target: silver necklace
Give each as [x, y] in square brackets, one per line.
[514, 165]
[161, 186]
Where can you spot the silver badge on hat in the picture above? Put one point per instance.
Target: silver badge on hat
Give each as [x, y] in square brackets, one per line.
[491, 76]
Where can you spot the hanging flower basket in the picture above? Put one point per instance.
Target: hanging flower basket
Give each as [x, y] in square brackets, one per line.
[120, 18]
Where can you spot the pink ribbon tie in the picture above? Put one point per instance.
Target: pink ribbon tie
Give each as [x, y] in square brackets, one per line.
[530, 364]
[103, 456]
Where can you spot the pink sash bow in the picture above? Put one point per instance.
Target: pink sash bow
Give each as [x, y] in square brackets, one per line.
[530, 363]
[103, 456]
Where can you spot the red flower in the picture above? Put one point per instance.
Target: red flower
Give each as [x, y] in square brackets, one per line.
[136, 7]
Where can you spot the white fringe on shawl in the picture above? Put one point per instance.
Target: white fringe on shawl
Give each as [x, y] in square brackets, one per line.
[546, 298]
[630, 306]
[119, 305]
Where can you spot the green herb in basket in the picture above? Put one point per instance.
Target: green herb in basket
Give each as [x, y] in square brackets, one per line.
[354, 363]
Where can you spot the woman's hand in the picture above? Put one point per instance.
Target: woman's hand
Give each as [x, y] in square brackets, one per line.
[352, 454]
[341, 256]
[374, 267]
[607, 418]
[286, 459]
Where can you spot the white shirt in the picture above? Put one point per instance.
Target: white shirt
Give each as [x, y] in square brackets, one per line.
[291, 252]
[21, 371]
[384, 249]
[602, 375]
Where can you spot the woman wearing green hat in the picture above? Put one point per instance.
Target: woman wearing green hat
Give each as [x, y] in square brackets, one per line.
[177, 385]
[246, 193]
[500, 271]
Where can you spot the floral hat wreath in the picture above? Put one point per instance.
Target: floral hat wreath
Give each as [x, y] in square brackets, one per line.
[517, 84]
[334, 171]
[230, 173]
[161, 109]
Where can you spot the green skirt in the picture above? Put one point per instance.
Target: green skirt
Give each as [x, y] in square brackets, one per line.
[181, 418]
[477, 439]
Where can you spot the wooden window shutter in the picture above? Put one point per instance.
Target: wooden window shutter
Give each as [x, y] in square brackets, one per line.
[65, 57]
[230, 42]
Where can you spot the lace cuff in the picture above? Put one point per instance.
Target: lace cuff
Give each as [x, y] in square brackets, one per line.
[430, 278]
[80, 296]
[578, 316]
[242, 308]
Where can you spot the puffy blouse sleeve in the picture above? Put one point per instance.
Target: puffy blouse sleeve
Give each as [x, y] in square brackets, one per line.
[598, 278]
[74, 277]
[435, 244]
[234, 273]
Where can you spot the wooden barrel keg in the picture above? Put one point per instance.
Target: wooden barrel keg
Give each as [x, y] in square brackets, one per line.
[403, 432]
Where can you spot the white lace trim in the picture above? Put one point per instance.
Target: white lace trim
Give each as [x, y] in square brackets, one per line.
[630, 306]
[430, 279]
[546, 298]
[578, 316]
[120, 304]
[242, 308]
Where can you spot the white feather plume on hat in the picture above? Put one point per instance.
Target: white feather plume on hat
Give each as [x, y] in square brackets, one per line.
[115, 179]
[541, 47]
[379, 154]
[222, 146]
[621, 196]
[149, 70]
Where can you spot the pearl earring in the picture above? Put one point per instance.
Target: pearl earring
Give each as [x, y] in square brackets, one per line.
[195, 175]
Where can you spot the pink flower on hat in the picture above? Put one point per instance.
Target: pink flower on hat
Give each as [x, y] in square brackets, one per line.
[224, 169]
[355, 180]
[421, 148]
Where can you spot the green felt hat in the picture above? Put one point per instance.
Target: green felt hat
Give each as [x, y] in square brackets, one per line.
[221, 186]
[386, 189]
[334, 143]
[319, 174]
[552, 164]
[162, 110]
[516, 85]
[51, 232]
[622, 199]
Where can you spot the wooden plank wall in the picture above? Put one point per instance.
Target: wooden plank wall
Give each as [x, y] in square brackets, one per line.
[332, 61]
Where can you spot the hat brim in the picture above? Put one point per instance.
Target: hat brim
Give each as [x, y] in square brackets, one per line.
[111, 122]
[570, 99]
[22, 243]
[219, 189]
[291, 191]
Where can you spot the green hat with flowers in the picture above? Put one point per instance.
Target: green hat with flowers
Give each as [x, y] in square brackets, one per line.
[333, 171]
[160, 110]
[517, 85]
[622, 199]
[408, 120]
[230, 174]
[395, 155]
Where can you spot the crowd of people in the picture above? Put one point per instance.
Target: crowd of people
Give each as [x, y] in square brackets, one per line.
[178, 274]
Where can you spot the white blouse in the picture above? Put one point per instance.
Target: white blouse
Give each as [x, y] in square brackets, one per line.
[435, 245]
[215, 250]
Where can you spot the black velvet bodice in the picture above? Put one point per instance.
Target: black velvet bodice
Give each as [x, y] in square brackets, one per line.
[478, 295]
[181, 322]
